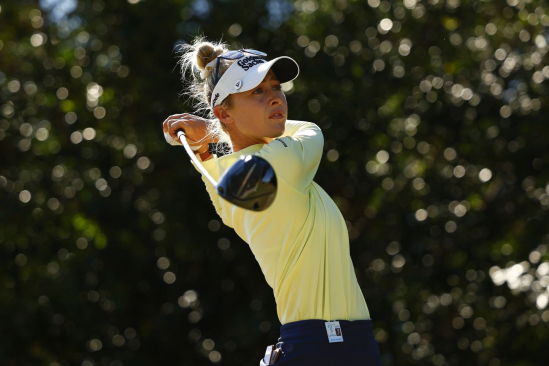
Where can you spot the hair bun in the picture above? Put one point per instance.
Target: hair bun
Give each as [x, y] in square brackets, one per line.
[206, 52]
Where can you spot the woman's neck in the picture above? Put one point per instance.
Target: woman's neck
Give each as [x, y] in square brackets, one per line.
[241, 141]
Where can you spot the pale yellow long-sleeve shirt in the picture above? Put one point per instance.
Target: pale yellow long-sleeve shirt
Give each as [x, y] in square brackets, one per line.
[301, 241]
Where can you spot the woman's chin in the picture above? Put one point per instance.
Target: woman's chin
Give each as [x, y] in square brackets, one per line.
[278, 129]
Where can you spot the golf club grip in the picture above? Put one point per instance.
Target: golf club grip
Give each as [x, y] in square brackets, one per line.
[182, 137]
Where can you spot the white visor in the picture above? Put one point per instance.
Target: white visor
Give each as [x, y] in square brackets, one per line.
[248, 72]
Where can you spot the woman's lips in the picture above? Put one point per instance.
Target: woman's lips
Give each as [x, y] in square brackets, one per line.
[277, 115]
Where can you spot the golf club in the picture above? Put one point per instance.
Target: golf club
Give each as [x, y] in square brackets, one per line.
[249, 183]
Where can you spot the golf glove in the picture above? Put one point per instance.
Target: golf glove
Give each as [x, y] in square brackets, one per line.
[176, 142]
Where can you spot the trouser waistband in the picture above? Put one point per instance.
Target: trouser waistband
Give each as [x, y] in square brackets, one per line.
[315, 329]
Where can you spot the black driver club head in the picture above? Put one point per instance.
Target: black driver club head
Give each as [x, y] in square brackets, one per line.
[249, 183]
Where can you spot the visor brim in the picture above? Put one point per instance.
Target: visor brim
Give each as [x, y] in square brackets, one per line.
[245, 75]
[284, 68]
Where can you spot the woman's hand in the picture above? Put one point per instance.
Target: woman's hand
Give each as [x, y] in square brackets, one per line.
[196, 129]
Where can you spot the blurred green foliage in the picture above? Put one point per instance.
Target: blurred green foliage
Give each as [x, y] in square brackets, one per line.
[434, 114]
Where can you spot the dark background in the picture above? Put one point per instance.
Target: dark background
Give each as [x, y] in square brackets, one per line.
[436, 151]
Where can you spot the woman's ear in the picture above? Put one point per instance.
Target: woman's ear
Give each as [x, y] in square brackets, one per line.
[222, 114]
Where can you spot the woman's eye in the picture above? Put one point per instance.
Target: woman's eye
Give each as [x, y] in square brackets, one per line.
[278, 87]
[258, 91]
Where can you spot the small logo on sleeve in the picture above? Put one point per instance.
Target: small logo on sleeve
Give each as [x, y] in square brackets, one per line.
[283, 143]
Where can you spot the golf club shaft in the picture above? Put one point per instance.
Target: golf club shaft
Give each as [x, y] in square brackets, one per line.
[183, 139]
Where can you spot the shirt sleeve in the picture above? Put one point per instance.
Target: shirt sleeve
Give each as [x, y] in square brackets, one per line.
[296, 155]
[213, 196]
[213, 170]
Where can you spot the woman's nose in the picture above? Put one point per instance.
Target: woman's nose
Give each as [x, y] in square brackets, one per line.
[275, 98]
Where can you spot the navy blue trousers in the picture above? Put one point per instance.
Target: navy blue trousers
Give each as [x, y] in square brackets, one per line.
[306, 343]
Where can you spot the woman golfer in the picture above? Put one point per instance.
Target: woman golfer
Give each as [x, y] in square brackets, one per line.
[301, 241]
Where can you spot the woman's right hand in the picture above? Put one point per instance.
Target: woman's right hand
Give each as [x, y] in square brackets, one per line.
[195, 128]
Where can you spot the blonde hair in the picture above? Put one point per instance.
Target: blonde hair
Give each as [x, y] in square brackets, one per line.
[193, 60]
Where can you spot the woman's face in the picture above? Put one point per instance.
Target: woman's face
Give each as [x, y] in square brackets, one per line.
[258, 115]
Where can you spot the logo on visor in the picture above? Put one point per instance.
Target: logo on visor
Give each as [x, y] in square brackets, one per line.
[215, 99]
[250, 61]
[238, 85]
